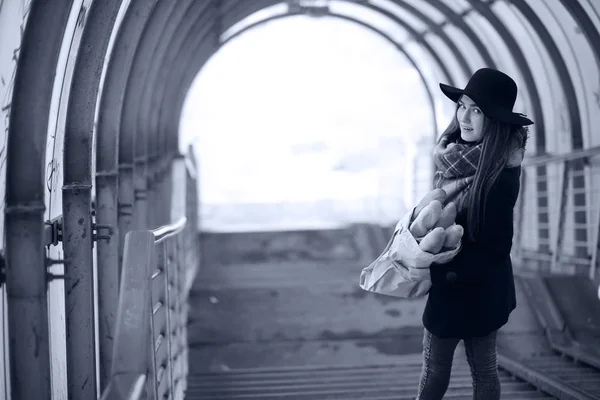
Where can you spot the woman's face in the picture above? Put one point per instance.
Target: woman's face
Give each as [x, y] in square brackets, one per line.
[470, 118]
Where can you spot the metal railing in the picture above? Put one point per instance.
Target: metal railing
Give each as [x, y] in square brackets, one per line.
[557, 218]
[150, 348]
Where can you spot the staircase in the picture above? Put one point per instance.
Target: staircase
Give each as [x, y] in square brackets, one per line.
[281, 316]
[373, 382]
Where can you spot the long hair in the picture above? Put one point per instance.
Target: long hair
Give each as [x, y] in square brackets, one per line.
[499, 141]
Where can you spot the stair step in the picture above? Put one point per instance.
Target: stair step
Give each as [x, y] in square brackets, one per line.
[373, 382]
[205, 381]
[388, 390]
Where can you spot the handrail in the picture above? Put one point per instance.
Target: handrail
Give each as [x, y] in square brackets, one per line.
[133, 370]
[130, 359]
[551, 158]
[570, 180]
[166, 231]
[542, 381]
[125, 387]
[191, 168]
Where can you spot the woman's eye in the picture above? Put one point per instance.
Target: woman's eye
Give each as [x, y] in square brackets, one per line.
[477, 111]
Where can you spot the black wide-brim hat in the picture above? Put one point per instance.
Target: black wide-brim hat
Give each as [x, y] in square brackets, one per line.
[495, 94]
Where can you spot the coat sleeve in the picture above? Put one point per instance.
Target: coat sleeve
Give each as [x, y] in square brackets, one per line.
[494, 243]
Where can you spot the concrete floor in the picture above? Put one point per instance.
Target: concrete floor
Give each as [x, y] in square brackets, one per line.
[275, 311]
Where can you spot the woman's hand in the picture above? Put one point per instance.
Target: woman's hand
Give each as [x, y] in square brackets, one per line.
[435, 225]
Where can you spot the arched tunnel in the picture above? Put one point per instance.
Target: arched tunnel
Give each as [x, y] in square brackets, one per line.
[111, 290]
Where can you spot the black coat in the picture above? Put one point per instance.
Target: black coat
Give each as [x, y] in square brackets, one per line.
[474, 294]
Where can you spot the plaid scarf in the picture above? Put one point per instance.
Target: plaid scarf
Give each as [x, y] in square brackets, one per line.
[456, 164]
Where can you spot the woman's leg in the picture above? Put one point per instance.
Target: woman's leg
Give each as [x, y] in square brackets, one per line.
[437, 365]
[481, 355]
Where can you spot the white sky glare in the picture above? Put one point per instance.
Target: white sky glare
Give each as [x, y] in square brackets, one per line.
[302, 110]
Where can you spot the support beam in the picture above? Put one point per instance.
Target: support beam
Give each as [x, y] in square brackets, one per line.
[26, 280]
[97, 23]
[110, 102]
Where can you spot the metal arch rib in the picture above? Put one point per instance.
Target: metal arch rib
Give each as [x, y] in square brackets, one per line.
[27, 303]
[167, 65]
[581, 235]
[585, 24]
[419, 39]
[559, 62]
[242, 10]
[521, 61]
[437, 30]
[113, 92]
[109, 108]
[190, 41]
[416, 35]
[156, 67]
[101, 21]
[419, 36]
[143, 50]
[459, 22]
[451, 16]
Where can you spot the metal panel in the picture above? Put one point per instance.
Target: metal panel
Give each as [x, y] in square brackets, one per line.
[146, 129]
[242, 24]
[582, 58]
[457, 19]
[585, 23]
[355, 12]
[427, 8]
[108, 115]
[162, 67]
[461, 72]
[132, 147]
[404, 12]
[438, 39]
[474, 57]
[175, 95]
[569, 104]
[505, 58]
[458, 6]
[128, 116]
[239, 10]
[523, 76]
[551, 70]
[13, 19]
[200, 30]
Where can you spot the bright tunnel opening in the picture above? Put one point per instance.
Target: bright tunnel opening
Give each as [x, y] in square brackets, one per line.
[304, 123]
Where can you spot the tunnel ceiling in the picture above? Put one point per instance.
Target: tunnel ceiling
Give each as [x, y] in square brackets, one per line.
[122, 69]
[551, 48]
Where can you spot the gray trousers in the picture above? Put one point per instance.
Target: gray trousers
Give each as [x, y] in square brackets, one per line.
[437, 365]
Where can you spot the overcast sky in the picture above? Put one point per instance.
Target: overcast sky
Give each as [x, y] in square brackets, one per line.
[303, 109]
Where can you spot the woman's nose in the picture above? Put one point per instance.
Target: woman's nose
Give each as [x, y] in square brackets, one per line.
[466, 117]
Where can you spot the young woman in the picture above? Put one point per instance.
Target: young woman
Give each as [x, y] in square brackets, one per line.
[478, 161]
